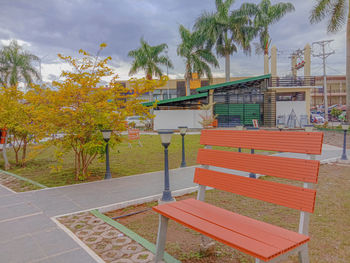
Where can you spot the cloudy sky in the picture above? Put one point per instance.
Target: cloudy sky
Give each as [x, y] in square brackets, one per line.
[48, 27]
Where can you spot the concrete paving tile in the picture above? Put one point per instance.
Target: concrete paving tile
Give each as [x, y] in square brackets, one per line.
[11, 199]
[76, 256]
[19, 227]
[57, 207]
[17, 210]
[4, 191]
[20, 250]
[54, 241]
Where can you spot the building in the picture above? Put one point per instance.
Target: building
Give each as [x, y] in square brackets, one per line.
[267, 99]
[336, 91]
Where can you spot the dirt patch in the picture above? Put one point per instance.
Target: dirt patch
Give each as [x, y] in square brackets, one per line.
[329, 226]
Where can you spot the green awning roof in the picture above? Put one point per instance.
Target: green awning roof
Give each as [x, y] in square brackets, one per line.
[233, 83]
[178, 99]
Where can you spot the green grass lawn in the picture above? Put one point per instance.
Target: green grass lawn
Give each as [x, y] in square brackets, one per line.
[123, 161]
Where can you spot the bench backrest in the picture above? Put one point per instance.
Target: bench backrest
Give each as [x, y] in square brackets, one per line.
[301, 198]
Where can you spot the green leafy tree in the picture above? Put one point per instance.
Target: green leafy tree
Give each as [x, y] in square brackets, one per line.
[338, 13]
[16, 65]
[80, 106]
[18, 116]
[226, 30]
[264, 15]
[197, 56]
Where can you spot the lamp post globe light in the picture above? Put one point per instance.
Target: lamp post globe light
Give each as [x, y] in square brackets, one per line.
[165, 136]
[183, 130]
[345, 129]
[107, 136]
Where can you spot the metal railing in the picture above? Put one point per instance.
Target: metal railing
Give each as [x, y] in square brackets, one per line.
[291, 81]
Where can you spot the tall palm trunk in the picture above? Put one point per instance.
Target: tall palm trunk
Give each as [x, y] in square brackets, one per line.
[227, 66]
[188, 83]
[149, 77]
[348, 68]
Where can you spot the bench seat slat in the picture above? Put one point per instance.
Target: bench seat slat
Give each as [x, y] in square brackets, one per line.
[296, 142]
[229, 221]
[246, 221]
[289, 168]
[286, 195]
[228, 229]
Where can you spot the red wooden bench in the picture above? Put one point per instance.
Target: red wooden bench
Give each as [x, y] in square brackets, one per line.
[265, 242]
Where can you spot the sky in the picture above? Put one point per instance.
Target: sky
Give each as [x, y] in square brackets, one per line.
[48, 27]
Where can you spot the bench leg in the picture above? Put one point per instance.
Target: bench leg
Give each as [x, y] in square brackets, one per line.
[162, 229]
[304, 255]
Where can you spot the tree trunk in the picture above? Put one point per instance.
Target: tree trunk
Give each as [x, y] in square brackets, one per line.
[24, 152]
[227, 67]
[348, 68]
[77, 165]
[188, 88]
[7, 165]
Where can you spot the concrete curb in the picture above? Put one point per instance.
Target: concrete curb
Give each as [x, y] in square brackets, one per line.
[77, 240]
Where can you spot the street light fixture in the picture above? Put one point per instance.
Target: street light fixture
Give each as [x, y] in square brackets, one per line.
[107, 136]
[183, 130]
[345, 128]
[165, 136]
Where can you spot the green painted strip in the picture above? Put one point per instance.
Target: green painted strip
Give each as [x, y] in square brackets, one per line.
[145, 243]
[232, 83]
[24, 179]
[183, 98]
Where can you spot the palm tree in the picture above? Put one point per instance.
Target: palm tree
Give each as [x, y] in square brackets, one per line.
[225, 30]
[148, 58]
[197, 56]
[338, 12]
[264, 15]
[16, 65]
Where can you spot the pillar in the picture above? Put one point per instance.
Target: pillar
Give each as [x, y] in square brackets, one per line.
[266, 64]
[274, 61]
[274, 66]
[307, 60]
[294, 62]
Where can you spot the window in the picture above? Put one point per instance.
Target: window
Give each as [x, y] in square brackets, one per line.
[204, 83]
[290, 96]
[181, 88]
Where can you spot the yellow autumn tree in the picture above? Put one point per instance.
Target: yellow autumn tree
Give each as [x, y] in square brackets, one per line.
[18, 116]
[79, 106]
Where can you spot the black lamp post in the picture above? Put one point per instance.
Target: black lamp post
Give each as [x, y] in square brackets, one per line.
[345, 129]
[165, 136]
[107, 136]
[183, 130]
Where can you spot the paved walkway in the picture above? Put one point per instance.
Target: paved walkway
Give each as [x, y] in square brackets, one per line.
[28, 234]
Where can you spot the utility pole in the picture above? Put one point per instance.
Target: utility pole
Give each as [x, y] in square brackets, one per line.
[323, 56]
